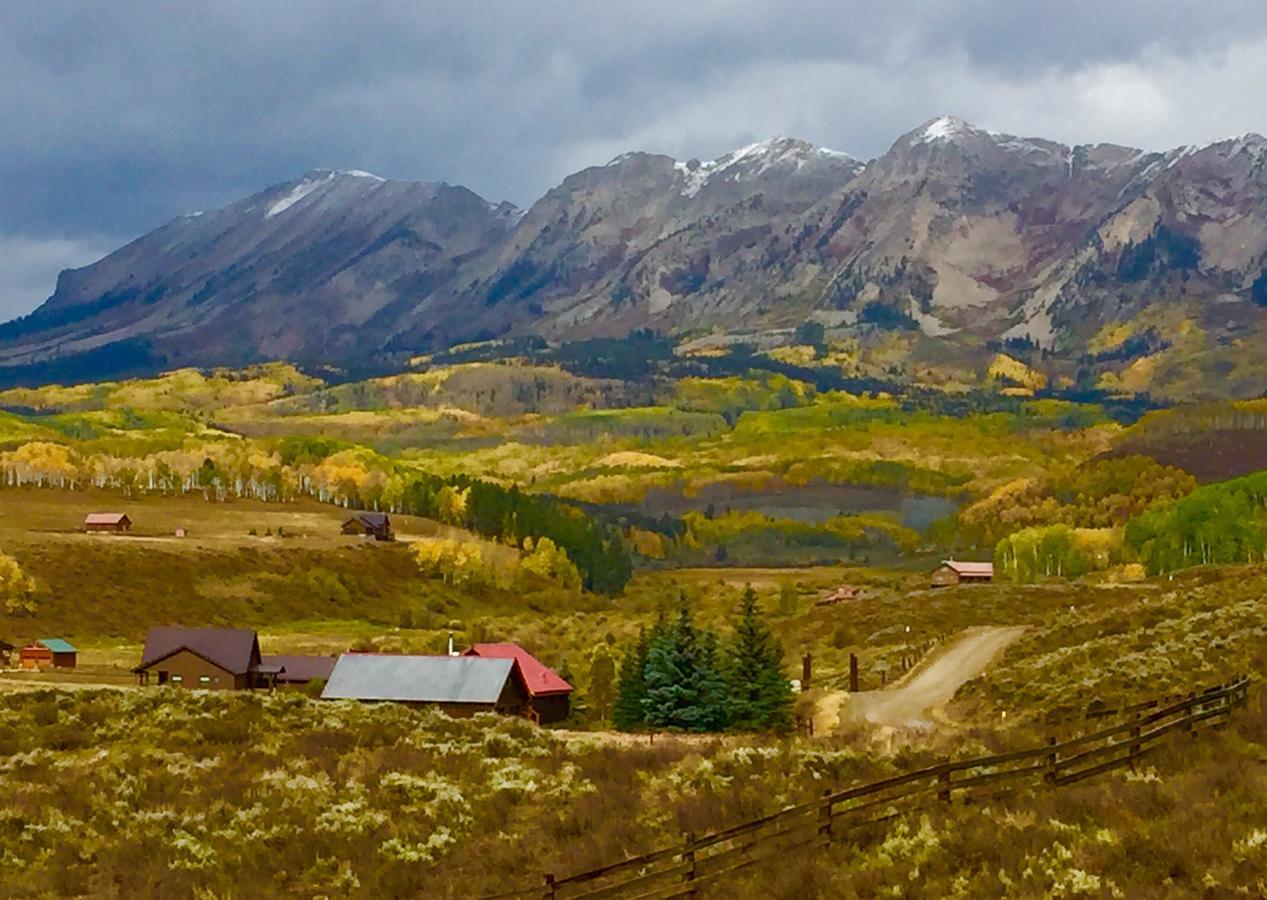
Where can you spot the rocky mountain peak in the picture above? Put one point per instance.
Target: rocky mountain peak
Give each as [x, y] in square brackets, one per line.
[965, 234]
[943, 129]
[777, 155]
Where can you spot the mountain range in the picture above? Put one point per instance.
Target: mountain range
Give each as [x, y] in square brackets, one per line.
[958, 240]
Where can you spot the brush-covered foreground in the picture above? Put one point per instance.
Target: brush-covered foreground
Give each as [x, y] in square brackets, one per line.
[161, 793]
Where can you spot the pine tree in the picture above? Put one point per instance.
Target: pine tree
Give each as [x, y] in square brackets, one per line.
[631, 690]
[685, 689]
[760, 697]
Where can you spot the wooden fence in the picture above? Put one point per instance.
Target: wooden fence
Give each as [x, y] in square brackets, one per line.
[704, 860]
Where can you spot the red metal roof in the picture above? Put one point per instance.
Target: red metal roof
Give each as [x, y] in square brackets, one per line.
[538, 677]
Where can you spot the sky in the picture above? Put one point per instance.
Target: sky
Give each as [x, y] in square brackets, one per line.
[116, 117]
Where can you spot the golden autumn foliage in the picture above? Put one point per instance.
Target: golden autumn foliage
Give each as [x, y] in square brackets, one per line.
[1006, 369]
[17, 589]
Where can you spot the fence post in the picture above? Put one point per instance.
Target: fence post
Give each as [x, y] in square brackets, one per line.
[1053, 762]
[807, 670]
[1135, 747]
[551, 891]
[1192, 713]
[853, 673]
[824, 817]
[688, 857]
[944, 780]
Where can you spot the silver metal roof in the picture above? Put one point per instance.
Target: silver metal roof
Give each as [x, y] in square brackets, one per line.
[418, 679]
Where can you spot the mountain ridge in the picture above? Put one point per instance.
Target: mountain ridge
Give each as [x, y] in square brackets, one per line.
[964, 236]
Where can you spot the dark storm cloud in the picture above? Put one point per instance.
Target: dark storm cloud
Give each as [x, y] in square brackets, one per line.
[114, 117]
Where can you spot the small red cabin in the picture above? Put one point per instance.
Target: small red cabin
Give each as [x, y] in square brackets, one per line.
[48, 653]
[118, 522]
[549, 696]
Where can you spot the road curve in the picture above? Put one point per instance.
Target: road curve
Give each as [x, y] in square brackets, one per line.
[907, 703]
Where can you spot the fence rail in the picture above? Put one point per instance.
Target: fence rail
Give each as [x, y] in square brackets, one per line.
[704, 860]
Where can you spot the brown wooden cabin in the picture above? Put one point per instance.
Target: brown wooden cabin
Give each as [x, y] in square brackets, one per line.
[217, 659]
[107, 522]
[953, 572]
[297, 671]
[48, 653]
[370, 524]
[549, 695]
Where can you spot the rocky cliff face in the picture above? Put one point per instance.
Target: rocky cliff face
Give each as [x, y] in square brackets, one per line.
[959, 234]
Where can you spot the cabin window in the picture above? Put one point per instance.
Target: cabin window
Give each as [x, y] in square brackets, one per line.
[177, 679]
[204, 679]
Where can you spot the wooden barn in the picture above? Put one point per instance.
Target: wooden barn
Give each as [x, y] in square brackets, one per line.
[370, 524]
[953, 572]
[458, 685]
[48, 653]
[216, 659]
[549, 696]
[107, 522]
[296, 671]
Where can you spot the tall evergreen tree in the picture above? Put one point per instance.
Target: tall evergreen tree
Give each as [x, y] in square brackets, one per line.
[685, 689]
[631, 688]
[760, 697]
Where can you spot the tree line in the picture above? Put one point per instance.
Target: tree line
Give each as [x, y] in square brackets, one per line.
[682, 677]
[506, 513]
[1218, 523]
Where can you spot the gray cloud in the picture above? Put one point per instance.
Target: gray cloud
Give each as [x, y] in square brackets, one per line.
[116, 117]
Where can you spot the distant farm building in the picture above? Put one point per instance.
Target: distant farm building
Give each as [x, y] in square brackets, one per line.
[370, 524]
[222, 659]
[180, 532]
[458, 685]
[116, 522]
[295, 671]
[48, 653]
[953, 571]
[549, 696]
[842, 594]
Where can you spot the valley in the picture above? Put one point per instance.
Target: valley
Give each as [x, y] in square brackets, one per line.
[578, 514]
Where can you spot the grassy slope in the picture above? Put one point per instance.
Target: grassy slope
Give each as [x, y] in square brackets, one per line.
[109, 589]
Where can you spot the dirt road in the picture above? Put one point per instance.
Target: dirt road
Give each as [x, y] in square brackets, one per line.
[908, 703]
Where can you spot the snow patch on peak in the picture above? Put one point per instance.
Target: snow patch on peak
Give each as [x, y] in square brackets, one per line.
[623, 157]
[753, 161]
[361, 173]
[1238, 144]
[944, 128]
[298, 192]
